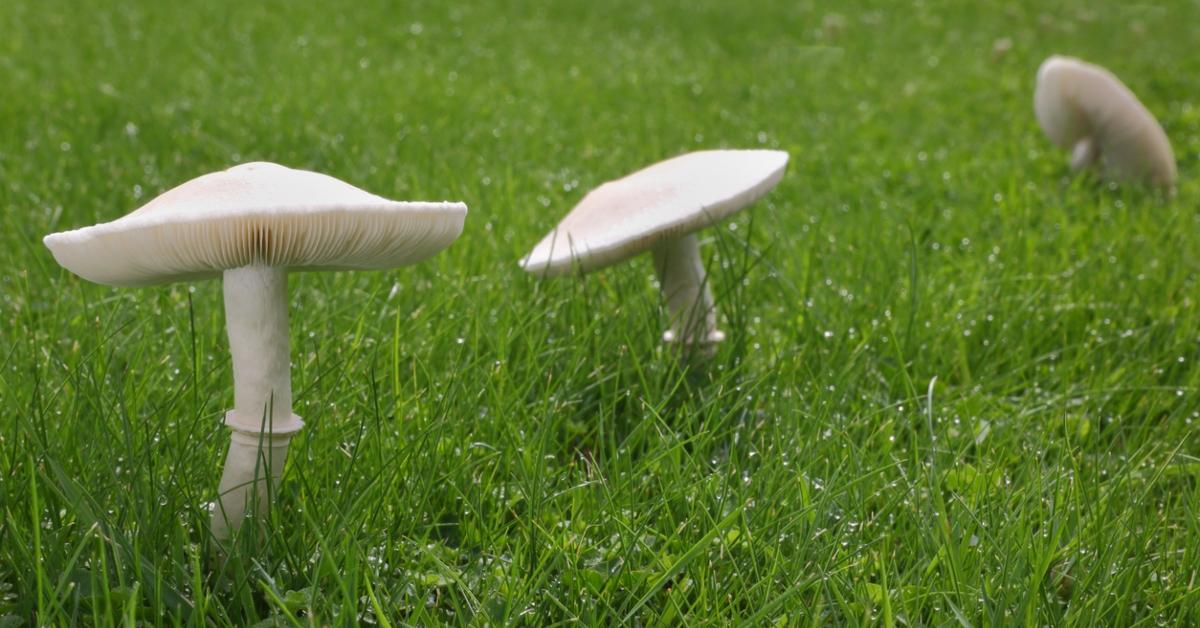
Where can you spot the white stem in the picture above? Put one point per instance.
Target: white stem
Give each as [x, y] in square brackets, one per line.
[1084, 153]
[685, 289]
[256, 318]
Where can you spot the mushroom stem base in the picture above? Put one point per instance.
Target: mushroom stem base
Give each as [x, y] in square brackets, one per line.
[252, 470]
[686, 292]
[1084, 154]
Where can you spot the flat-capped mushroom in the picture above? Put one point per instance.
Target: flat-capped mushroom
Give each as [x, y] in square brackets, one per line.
[250, 225]
[659, 208]
[1086, 109]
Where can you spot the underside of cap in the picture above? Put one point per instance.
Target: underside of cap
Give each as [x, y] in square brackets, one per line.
[257, 214]
[625, 217]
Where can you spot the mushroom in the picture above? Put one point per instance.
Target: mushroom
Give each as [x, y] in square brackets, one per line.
[1086, 109]
[660, 208]
[250, 225]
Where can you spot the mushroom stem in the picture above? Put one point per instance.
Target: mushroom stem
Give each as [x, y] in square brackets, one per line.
[1084, 154]
[685, 289]
[256, 317]
[252, 471]
[262, 423]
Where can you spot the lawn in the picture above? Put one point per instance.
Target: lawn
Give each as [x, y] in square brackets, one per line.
[960, 384]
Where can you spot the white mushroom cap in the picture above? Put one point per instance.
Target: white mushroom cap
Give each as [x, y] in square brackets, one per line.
[257, 214]
[1086, 109]
[669, 199]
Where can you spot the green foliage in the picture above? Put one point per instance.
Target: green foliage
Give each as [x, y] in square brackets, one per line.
[482, 447]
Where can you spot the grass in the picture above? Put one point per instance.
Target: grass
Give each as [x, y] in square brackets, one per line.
[960, 386]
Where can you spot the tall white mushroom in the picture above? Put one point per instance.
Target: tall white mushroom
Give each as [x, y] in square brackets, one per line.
[1086, 109]
[659, 208]
[250, 225]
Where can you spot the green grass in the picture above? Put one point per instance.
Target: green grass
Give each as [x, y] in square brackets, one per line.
[960, 386]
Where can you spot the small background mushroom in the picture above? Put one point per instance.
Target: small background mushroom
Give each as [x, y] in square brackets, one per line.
[1086, 109]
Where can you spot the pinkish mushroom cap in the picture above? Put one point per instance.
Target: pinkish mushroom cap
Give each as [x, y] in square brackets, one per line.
[671, 198]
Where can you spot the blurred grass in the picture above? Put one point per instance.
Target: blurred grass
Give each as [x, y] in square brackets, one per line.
[484, 447]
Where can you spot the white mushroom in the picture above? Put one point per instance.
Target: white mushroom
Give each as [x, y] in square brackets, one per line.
[659, 208]
[1086, 109]
[250, 225]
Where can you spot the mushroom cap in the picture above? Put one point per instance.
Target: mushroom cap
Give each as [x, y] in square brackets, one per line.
[1076, 100]
[625, 217]
[256, 214]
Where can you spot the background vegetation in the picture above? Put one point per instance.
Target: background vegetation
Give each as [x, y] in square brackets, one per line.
[960, 385]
